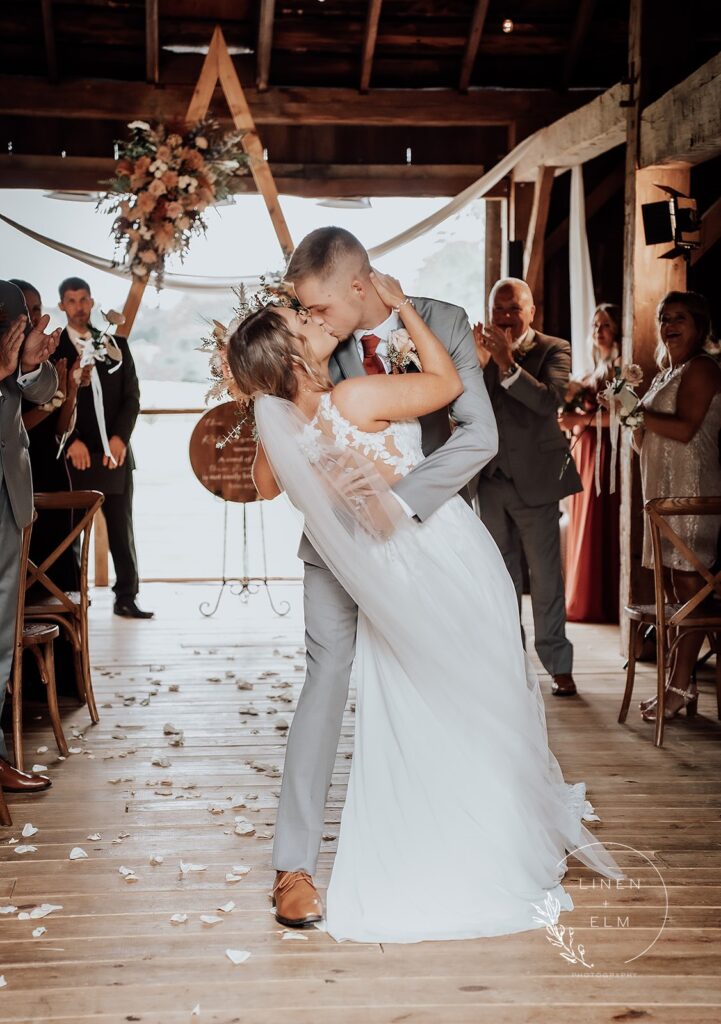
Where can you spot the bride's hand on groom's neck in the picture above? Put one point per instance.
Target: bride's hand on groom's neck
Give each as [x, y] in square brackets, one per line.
[388, 288]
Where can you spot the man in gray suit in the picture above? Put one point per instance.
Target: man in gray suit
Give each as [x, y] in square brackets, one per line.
[330, 273]
[526, 374]
[24, 373]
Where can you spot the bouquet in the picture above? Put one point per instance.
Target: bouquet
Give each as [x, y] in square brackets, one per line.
[621, 397]
[165, 179]
[578, 396]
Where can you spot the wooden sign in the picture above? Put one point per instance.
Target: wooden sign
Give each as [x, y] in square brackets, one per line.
[225, 472]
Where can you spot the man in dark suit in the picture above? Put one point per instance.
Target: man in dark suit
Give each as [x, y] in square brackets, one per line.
[24, 373]
[99, 449]
[526, 374]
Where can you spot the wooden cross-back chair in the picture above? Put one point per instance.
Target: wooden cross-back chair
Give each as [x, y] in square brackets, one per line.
[700, 614]
[37, 637]
[69, 609]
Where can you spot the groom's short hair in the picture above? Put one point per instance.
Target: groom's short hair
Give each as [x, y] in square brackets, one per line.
[320, 252]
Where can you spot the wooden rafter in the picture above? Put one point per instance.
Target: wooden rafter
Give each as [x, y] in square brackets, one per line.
[533, 250]
[152, 42]
[264, 48]
[218, 69]
[369, 42]
[578, 38]
[473, 42]
[106, 100]
[51, 55]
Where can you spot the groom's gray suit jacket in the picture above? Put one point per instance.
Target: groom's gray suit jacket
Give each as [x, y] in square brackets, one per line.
[465, 450]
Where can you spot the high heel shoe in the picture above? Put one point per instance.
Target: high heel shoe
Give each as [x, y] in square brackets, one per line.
[690, 703]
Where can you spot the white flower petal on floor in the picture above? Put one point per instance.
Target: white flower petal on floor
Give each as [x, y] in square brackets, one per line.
[8, 910]
[40, 768]
[228, 907]
[28, 831]
[210, 919]
[185, 867]
[77, 853]
[156, 859]
[39, 912]
[178, 918]
[37, 932]
[94, 837]
[293, 937]
[3, 983]
[237, 956]
[161, 762]
[23, 848]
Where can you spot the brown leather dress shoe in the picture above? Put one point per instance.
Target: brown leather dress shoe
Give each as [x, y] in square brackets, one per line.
[563, 685]
[14, 781]
[296, 900]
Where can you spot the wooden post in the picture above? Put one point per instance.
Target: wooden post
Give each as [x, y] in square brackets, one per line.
[533, 251]
[493, 247]
[100, 550]
[646, 279]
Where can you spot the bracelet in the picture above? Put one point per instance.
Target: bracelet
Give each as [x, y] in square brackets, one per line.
[397, 309]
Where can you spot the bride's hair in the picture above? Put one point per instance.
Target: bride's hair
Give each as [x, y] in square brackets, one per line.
[264, 356]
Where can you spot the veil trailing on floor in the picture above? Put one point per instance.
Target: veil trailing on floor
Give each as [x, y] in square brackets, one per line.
[440, 599]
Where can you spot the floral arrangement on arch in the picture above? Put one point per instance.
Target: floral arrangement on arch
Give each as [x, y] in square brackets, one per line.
[166, 177]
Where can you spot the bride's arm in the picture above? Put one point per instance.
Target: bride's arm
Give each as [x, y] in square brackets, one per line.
[373, 402]
[265, 483]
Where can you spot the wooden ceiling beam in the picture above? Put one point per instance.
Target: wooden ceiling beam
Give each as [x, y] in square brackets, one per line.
[684, 125]
[369, 43]
[264, 48]
[472, 43]
[578, 39]
[51, 55]
[109, 100]
[152, 42]
[304, 180]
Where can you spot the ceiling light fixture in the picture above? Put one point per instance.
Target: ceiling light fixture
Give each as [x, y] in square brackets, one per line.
[351, 203]
[507, 25]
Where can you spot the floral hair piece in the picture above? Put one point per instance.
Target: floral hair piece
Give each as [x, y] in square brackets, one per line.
[272, 292]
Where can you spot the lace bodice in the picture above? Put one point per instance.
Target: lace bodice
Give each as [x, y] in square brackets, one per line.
[395, 450]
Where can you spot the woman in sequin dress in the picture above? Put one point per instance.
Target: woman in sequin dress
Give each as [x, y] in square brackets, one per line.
[593, 554]
[679, 448]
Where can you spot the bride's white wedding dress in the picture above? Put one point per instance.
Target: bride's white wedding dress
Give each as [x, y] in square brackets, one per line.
[457, 818]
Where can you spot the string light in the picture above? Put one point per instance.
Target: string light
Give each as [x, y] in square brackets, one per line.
[507, 25]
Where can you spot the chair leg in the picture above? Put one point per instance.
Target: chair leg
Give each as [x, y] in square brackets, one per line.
[17, 710]
[715, 639]
[5, 818]
[87, 678]
[633, 635]
[660, 686]
[46, 667]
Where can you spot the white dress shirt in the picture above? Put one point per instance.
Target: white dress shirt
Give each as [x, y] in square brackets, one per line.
[382, 331]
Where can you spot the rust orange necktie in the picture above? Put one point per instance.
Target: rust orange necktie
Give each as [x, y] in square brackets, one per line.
[372, 363]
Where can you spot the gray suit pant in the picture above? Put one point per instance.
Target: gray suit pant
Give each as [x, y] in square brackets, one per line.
[331, 618]
[517, 527]
[10, 543]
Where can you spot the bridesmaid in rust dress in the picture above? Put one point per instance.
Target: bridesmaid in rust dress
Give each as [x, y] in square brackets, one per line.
[592, 560]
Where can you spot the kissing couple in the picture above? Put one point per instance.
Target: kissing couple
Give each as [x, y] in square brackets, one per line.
[457, 820]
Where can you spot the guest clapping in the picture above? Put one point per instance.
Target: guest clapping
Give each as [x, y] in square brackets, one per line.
[593, 554]
[679, 447]
[526, 374]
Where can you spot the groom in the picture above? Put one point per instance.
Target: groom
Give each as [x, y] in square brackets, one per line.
[330, 273]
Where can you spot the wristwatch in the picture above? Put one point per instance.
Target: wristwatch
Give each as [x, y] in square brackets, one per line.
[512, 369]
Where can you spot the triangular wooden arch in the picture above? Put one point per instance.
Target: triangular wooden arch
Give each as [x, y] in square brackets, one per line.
[218, 68]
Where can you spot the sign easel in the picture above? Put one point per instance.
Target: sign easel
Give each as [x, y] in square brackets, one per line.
[217, 69]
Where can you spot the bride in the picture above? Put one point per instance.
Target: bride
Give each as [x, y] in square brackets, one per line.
[457, 820]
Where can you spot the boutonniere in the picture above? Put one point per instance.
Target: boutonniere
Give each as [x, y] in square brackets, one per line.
[402, 351]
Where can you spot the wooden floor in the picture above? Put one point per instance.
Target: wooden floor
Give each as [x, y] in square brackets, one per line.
[111, 953]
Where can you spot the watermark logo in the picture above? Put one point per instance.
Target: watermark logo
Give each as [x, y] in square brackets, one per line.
[621, 919]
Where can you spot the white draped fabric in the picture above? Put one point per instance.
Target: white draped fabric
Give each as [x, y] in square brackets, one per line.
[583, 300]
